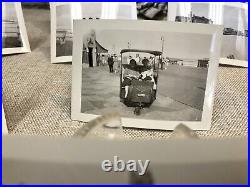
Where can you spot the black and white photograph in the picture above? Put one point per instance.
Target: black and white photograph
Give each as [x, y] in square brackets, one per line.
[152, 74]
[12, 37]
[140, 81]
[194, 13]
[234, 18]
[235, 33]
[64, 13]
[152, 10]
[64, 25]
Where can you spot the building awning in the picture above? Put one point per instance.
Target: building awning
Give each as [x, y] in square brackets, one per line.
[156, 53]
[100, 49]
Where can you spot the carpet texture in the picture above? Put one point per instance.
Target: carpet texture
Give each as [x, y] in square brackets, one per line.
[37, 94]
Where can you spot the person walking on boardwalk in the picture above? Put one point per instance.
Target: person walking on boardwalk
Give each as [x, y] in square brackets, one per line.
[111, 64]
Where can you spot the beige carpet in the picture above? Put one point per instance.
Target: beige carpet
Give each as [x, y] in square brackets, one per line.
[37, 94]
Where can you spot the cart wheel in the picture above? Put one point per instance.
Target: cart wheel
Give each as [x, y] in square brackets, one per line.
[137, 111]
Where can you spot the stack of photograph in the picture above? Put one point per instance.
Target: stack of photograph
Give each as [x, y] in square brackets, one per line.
[125, 93]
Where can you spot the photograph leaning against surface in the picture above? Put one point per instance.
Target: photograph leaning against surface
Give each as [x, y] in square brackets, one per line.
[234, 18]
[156, 74]
[64, 25]
[11, 36]
[152, 10]
[14, 35]
[63, 14]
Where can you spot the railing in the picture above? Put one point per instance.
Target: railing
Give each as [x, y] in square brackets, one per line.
[10, 28]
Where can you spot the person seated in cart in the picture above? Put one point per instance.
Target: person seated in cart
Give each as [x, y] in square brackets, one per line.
[129, 74]
[147, 73]
[138, 80]
[129, 59]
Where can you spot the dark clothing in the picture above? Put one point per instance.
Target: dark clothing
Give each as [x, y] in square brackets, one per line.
[110, 61]
[111, 64]
[98, 60]
[127, 81]
[161, 63]
[145, 61]
[129, 75]
[111, 69]
[90, 57]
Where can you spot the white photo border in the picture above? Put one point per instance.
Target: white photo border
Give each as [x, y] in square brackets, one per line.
[61, 59]
[23, 32]
[4, 124]
[214, 30]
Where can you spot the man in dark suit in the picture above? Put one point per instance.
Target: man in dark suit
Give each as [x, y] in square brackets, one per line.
[111, 64]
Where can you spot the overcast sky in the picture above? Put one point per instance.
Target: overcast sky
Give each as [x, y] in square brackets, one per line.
[235, 18]
[8, 11]
[200, 9]
[176, 45]
[63, 17]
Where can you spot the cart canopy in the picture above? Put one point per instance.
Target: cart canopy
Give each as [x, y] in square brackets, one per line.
[156, 53]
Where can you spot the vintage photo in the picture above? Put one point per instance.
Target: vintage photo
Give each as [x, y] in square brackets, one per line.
[194, 13]
[152, 10]
[234, 18]
[64, 25]
[11, 36]
[142, 74]
[138, 77]
[13, 39]
[235, 33]
[63, 15]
